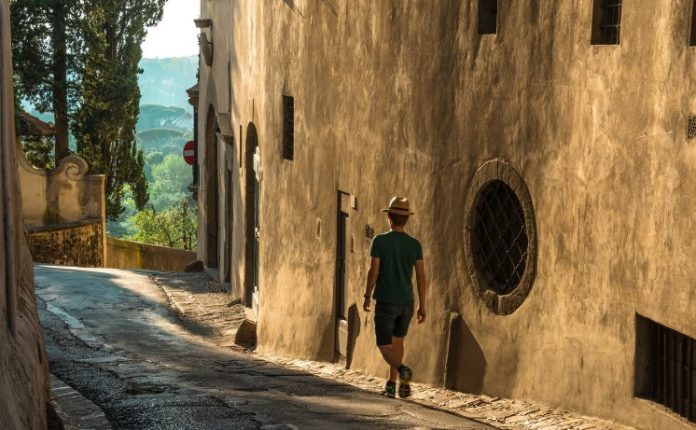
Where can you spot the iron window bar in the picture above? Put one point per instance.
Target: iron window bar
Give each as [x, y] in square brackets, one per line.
[672, 370]
[500, 241]
[611, 22]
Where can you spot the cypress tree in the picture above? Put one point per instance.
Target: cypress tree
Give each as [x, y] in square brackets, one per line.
[45, 34]
[104, 125]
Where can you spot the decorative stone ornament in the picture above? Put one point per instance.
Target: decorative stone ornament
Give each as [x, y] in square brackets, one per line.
[500, 237]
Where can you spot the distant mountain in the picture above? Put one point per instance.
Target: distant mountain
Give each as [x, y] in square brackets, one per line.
[164, 81]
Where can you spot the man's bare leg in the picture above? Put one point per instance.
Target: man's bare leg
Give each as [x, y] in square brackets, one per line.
[398, 349]
[391, 356]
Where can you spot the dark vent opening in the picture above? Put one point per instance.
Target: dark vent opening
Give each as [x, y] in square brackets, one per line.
[691, 128]
[288, 127]
[665, 368]
[487, 16]
[606, 22]
[499, 238]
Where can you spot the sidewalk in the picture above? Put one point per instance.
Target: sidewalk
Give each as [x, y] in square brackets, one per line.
[75, 410]
[197, 297]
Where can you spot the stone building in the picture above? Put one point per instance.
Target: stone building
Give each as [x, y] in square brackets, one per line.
[23, 360]
[548, 148]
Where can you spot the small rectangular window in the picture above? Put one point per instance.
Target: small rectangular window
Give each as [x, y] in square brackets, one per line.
[288, 127]
[693, 24]
[666, 367]
[606, 22]
[487, 16]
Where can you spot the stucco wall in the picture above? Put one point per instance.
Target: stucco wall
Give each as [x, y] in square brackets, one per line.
[76, 244]
[62, 195]
[122, 254]
[23, 359]
[407, 98]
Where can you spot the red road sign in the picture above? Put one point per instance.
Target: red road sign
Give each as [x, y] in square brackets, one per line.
[189, 153]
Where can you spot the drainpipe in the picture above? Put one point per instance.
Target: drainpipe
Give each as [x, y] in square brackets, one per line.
[9, 172]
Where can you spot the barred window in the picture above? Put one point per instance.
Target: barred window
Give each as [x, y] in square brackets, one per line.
[666, 367]
[288, 127]
[487, 16]
[606, 22]
[693, 24]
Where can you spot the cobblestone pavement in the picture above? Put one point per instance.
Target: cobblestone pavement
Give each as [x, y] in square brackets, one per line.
[196, 297]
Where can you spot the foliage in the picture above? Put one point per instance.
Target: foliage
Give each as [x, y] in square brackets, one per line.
[45, 39]
[163, 117]
[174, 227]
[38, 150]
[171, 179]
[164, 220]
[104, 124]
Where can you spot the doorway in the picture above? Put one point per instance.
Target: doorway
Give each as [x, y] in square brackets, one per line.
[341, 312]
[211, 196]
[253, 222]
[229, 224]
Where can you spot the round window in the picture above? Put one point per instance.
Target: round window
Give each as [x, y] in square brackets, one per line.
[501, 239]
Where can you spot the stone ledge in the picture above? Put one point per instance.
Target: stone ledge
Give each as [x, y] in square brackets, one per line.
[31, 229]
[76, 411]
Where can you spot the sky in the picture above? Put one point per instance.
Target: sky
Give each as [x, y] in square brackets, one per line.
[175, 35]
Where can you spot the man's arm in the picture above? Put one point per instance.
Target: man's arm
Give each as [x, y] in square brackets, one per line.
[420, 282]
[372, 275]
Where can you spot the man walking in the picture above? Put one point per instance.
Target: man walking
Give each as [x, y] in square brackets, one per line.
[393, 257]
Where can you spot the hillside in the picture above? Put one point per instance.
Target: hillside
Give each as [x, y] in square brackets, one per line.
[164, 81]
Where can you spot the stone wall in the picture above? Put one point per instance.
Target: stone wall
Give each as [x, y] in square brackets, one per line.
[407, 98]
[77, 244]
[122, 254]
[23, 359]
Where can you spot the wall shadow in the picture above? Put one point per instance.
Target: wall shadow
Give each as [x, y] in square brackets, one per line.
[465, 365]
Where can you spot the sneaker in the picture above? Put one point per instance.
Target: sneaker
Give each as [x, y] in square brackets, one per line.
[405, 375]
[389, 390]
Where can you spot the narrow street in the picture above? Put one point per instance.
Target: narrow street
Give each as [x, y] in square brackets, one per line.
[111, 335]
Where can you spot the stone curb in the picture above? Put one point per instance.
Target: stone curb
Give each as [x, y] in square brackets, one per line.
[76, 412]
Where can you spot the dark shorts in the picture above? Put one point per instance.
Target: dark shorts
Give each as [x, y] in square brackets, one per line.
[391, 320]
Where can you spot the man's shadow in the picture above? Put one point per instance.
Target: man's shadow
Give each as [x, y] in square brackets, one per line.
[353, 332]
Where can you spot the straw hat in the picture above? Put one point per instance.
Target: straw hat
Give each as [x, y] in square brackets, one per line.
[398, 206]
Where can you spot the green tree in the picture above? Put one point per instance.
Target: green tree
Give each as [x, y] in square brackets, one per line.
[45, 38]
[105, 122]
[171, 179]
[38, 150]
[174, 227]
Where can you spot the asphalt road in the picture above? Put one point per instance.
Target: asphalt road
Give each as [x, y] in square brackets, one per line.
[111, 335]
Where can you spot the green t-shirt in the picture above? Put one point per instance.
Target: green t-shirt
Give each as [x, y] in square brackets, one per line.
[397, 253]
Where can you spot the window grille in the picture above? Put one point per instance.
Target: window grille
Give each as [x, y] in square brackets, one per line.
[487, 16]
[692, 41]
[671, 368]
[607, 22]
[691, 128]
[288, 127]
[499, 237]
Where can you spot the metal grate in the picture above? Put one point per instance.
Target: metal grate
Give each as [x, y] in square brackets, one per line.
[609, 23]
[672, 371]
[499, 237]
[692, 41]
[691, 128]
[288, 127]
